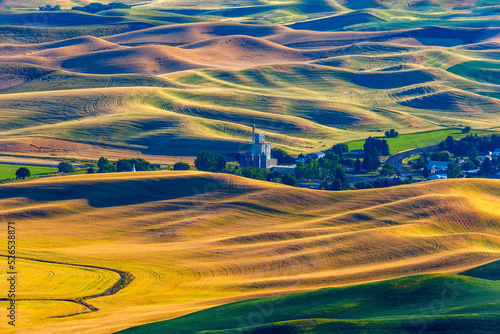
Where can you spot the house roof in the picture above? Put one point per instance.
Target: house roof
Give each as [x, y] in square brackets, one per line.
[438, 164]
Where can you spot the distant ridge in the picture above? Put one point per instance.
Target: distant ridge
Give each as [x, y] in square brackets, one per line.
[336, 22]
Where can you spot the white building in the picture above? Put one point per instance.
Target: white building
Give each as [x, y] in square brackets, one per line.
[316, 155]
[284, 169]
[261, 152]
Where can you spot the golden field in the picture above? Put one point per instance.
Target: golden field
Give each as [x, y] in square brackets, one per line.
[194, 240]
[171, 90]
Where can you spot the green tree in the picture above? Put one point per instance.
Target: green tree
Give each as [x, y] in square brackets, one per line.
[336, 185]
[340, 149]
[472, 153]
[441, 156]
[65, 167]
[387, 170]
[256, 173]
[371, 162]
[90, 170]
[182, 166]
[487, 167]
[391, 134]
[466, 129]
[357, 166]
[128, 164]
[281, 156]
[102, 162]
[376, 146]
[425, 172]
[210, 162]
[363, 185]
[469, 165]
[23, 173]
[289, 180]
[453, 170]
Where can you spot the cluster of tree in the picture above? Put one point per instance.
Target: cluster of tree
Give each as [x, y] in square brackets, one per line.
[489, 166]
[182, 166]
[62, 167]
[453, 171]
[466, 129]
[471, 145]
[374, 148]
[326, 169]
[340, 149]
[387, 170]
[210, 162]
[441, 156]
[383, 183]
[105, 166]
[49, 8]
[282, 157]
[262, 174]
[96, 7]
[391, 134]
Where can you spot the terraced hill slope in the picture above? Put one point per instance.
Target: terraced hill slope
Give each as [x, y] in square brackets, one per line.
[189, 241]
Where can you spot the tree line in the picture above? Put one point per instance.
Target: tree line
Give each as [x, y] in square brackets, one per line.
[92, 8]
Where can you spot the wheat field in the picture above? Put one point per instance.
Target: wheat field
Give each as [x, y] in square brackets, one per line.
[194, 240]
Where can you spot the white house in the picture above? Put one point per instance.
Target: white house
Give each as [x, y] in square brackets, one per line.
[316, 155]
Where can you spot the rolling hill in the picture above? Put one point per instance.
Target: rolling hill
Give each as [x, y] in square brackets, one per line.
[166, 79]
[205, 84]
[189, 241]
[355, 309]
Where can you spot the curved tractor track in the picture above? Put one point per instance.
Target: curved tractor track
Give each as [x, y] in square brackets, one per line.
[125, 279]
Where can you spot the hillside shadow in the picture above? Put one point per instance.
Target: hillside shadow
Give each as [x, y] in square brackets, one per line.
[119, 192]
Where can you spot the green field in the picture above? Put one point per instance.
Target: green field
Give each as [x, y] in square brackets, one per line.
[435, 303]
[417, 140]
[9, 171]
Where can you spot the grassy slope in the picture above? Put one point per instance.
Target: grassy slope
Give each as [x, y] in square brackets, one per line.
[9, 171]
[195, 240]
[416, 140]
[489, 271]
[382, 307]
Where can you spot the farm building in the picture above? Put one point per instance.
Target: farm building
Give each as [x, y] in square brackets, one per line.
[437, 166]
[316, 155]
[357, 153]
[284, 169]
[261, 153]
[437, 177]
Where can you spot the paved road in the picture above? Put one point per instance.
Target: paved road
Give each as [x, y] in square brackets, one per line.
[397, 159]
